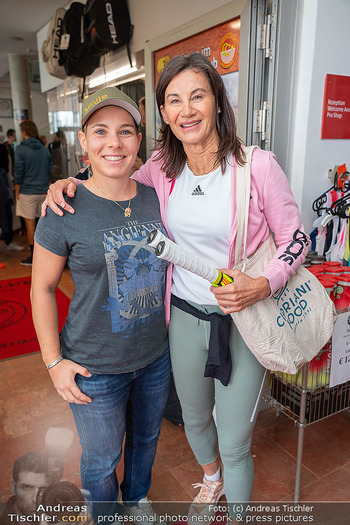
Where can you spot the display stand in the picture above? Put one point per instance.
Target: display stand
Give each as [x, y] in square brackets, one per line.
[306, 398]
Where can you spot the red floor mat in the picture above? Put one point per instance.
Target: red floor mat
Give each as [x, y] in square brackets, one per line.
[17, 334]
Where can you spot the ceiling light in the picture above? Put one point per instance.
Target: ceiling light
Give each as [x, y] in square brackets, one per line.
[132, 79]
[112, 75]
[66, 93]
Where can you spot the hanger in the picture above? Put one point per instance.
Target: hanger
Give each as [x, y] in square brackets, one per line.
[317, 205]
[341, 206]
[341, 183]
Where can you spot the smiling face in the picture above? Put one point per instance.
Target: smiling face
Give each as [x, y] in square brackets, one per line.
[112, 141]
[190, 109]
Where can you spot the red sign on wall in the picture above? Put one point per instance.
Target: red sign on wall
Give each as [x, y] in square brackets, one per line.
[336, 108]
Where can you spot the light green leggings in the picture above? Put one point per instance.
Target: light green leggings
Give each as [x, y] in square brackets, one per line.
[236, 404]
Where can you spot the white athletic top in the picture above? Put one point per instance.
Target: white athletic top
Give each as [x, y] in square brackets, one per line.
[199, 219]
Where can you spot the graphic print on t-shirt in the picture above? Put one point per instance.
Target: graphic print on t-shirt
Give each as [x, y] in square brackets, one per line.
[135, 290]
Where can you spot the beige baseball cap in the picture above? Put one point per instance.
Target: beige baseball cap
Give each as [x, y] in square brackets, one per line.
[110, 96]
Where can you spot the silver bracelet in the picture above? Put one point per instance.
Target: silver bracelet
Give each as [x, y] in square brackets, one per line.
[54, 363]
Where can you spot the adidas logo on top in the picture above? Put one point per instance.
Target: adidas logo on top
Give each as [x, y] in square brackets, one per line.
[197, 191]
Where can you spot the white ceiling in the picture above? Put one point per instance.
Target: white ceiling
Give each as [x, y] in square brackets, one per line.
[21, 19]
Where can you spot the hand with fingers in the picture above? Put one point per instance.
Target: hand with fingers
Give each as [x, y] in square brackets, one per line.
[242, 292]
[55, 196]
[63, 378]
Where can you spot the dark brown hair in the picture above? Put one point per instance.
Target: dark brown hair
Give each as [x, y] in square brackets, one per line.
[30, 462]
[170, 149]
[29, 128]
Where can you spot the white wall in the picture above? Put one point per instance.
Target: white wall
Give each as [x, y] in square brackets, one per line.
[323, 47]
[153, 18]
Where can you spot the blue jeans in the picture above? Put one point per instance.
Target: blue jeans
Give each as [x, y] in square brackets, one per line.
[130, 404]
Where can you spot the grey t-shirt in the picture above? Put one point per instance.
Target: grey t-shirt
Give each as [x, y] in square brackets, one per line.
[116, 320]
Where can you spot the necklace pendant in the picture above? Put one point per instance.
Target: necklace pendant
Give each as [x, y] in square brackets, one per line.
[127, 212]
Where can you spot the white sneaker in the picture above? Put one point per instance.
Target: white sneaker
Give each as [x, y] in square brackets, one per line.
[203, 509]
[210, 491]
[144, 509]
[14, 247]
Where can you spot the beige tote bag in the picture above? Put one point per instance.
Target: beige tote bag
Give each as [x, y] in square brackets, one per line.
[288, 329]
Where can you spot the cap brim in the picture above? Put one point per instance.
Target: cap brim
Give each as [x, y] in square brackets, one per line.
[115, 102]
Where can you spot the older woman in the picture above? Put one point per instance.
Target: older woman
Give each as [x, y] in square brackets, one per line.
[193, 171]
[111, 361]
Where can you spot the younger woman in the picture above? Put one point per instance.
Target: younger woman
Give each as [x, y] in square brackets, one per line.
[111, 361]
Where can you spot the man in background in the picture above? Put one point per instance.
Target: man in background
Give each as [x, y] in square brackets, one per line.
[6, 201]
[58, 150]
[141, 156]
[11, 138]
[33, 166]
[10, 146]
[29, 477]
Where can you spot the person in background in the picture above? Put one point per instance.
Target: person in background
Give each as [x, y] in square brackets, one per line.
[43, 140]
[142, 156]
[10, 145]
[11, 138]
[33, 166]
[6, 202]
[194, 171]
[58, 150]
[111, 363]
[30, 476]
[142, 110]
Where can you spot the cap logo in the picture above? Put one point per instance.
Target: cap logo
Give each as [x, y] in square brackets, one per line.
[94, 102]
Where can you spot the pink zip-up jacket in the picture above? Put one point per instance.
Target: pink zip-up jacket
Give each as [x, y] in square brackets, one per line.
[272, 207]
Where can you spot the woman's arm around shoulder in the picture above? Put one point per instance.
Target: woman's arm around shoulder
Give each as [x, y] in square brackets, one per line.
[55, 196]
[149, 173]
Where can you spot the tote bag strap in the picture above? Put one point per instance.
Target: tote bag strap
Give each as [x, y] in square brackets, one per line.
[243, 179]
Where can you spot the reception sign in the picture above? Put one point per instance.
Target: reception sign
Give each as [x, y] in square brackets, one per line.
[336, 108]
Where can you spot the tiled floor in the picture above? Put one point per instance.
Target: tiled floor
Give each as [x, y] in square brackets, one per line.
[29, 406]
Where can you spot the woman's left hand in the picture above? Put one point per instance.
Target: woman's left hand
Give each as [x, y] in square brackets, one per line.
[243, 292]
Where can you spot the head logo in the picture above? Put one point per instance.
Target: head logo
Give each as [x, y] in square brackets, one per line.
[228, 50]
[111, 25]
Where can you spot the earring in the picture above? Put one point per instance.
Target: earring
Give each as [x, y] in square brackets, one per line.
[219, 110]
